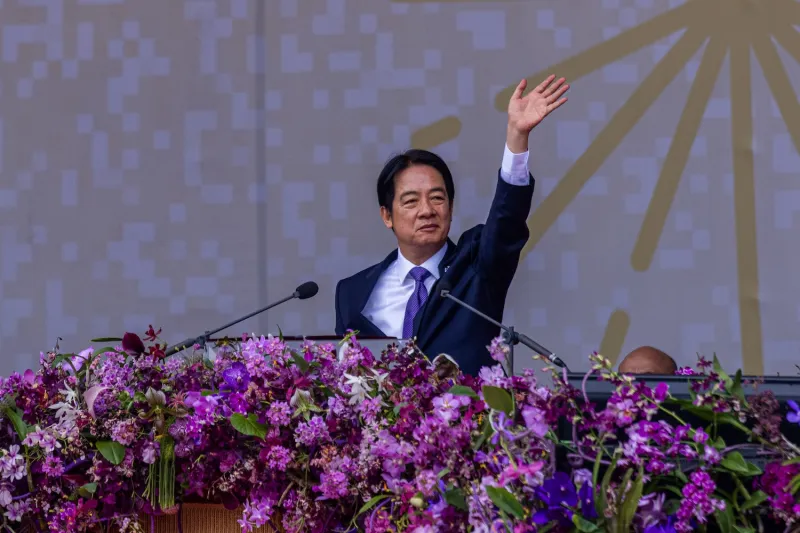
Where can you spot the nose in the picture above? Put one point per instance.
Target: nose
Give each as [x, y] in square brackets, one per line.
[426, 208]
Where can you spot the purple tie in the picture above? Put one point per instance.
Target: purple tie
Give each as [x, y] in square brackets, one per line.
[416, 301]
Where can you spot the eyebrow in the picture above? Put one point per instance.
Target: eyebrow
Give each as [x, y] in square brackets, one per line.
[434, 189]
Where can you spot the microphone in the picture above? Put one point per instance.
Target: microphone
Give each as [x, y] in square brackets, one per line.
[511, 336]
[306, 290]
[302, 292]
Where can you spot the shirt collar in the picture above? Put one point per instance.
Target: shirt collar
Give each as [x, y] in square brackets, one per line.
[404, 266]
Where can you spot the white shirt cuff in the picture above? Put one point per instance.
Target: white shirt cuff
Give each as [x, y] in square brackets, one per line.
[514, 169]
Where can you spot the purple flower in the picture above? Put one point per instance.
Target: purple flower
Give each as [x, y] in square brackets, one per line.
[586, 497]
[236, 377]
[794, 414]
[312, 432]
[651, 510]
[447, 406]
[667, 527]
[332, 486]
[279, 414]
[535, 421]
[499, 350]
[557, 493]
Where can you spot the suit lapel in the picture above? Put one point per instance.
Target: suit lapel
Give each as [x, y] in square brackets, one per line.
[429, 318]
[363, 293]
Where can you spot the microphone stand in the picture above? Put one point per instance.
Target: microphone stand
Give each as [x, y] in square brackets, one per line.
[510, 336]
[202, 339]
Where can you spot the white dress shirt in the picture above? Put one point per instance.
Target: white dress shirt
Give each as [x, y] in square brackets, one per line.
[386, 306]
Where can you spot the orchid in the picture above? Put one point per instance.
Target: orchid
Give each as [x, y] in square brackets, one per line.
[309, 441]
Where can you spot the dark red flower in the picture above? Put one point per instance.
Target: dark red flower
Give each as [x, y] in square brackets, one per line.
[132, 344]
[151, 335]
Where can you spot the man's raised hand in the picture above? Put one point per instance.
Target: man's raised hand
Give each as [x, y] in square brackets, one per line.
[525, 112]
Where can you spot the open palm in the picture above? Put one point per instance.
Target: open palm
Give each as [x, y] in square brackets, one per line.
[525, 112]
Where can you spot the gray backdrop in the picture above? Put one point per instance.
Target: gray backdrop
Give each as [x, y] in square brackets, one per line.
[181, 163]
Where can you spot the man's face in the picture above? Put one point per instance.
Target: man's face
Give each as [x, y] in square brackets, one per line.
[421, 213]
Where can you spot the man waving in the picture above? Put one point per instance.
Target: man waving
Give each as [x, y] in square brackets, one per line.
[398, 296]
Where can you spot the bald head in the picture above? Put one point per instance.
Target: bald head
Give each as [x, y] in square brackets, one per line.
[647, 360]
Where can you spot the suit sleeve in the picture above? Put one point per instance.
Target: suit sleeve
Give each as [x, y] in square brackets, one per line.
[339, 318]
[506, 231]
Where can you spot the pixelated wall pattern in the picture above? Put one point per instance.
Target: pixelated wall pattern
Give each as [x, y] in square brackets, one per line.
[182, 163]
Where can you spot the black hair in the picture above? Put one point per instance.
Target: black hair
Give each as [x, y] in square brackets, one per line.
[400, 162]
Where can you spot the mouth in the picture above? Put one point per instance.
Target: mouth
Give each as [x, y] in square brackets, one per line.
[429, 228]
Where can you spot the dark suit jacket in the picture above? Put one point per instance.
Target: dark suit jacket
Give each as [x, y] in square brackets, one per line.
[479, 269]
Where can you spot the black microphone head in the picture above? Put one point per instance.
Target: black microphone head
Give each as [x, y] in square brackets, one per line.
[306, 290]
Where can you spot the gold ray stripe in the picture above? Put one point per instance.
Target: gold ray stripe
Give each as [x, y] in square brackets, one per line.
[616, 330]
[778, 80]
[612, 50]
[787, 11]
[612, 134]
[437, 133]
[678, 155]
[744, 206]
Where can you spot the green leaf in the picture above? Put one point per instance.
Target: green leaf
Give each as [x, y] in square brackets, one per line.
[505, 501]
[443, 473]
[301, 363]
[744, 529]
[736, 463]
[737, 391]
[722, 374]
[113, 451]
[794, 486]
[672, 506]
[486, 432]
[631, 503]
[498, 399]
[725, 520]
[15, 415]
[794, 461]
[584, 525]
[370, 504]
[707, 414]
[463, 390]
[280, 332]
[248, 425]
[107, 339]
[87, 490]
[601, 502]
[756, 498]
[396, 409]
[455, 497]
[209, 392]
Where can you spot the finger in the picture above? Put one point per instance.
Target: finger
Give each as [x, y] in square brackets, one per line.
[519, 90]
[539, 88]
[553, 86]
[556, 95]
[553, 107]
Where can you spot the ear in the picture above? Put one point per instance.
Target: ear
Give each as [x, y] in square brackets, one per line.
[387, 217]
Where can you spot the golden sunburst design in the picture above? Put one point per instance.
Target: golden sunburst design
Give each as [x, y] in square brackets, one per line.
[727, 28]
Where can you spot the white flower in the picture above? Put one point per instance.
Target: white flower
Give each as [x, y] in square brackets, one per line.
[358, 388]
[380, 378]
[300, 397]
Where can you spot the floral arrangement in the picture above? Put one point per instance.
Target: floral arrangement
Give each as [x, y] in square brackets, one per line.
[309, 441]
